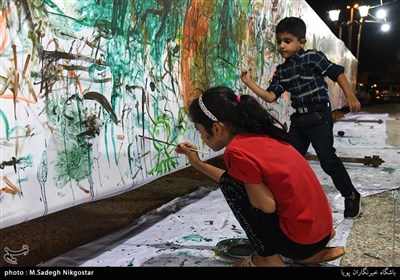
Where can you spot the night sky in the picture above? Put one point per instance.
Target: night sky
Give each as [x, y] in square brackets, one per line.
[377, 49]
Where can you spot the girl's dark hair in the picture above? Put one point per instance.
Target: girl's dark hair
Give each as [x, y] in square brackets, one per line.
[245, 116]
[292, 25]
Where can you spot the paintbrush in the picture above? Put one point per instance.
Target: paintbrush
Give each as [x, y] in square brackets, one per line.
[171, 144]
[237, 67]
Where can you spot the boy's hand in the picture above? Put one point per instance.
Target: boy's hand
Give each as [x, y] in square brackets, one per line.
[245, 76]
[353, 103]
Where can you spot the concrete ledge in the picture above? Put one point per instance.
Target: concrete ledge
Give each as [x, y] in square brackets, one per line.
[60, 232]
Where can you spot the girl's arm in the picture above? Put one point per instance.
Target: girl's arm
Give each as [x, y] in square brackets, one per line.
[211, 171]
[261, 197]
[259, 194]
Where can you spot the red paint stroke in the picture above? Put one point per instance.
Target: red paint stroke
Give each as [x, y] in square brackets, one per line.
[19, 98]
[195, 29]
[73, 74]
[3, 28]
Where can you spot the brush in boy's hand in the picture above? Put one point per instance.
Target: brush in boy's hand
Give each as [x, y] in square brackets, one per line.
[237, 67]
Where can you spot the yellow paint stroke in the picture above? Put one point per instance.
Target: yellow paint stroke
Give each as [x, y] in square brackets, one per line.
[7, 190]
[13, 190]
[12, 86]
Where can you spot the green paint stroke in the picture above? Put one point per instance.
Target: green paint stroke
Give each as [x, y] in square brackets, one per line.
[389, 170]
[52, 5]
[227, 24]
[196, 238]
[22, 180]
[158, 23]
[130, 262]
[24, 162]
[163, 160]
[94, 14]
[74, 161]
[17, 128]
[6, 125]
[184, 253]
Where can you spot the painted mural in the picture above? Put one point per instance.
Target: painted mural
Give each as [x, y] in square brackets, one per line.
[84, 82]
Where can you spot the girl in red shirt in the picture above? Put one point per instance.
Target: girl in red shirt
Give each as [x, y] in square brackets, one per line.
[270, 187]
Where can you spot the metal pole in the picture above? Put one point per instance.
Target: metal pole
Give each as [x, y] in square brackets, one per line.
[351, 27]
[359, 40]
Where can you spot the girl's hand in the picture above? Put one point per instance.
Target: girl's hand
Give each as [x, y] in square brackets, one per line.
[193, 157]
[183, 148]
[211, 171]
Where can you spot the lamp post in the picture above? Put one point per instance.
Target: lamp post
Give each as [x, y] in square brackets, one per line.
[363, 12]
[350, 39]
[334, 16]
[359, 38]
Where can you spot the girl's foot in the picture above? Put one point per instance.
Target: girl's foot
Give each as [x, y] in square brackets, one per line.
[257, 261]
[325, 255]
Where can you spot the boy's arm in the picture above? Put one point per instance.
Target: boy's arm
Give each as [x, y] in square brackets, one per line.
[351, 99]
[268, 96]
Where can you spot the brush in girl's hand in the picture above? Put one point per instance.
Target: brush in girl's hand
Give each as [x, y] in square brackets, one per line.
[171, 144]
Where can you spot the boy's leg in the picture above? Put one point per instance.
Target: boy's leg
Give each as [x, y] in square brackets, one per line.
[298, 139]
[320, 133]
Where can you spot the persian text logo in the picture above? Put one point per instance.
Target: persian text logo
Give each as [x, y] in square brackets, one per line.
[9, 256]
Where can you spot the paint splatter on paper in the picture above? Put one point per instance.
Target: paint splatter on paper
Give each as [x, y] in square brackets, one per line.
[81, 80]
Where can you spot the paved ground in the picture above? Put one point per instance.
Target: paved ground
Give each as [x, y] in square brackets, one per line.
[374, 239]
[375, 236]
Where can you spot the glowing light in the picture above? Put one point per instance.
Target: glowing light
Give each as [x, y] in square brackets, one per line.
[334, 15]
[363, 10]
[381, 14]
[385, 27]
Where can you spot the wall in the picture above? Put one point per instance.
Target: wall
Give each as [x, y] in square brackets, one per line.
[81, 81]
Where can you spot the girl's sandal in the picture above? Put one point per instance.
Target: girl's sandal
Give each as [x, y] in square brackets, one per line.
[247, 262]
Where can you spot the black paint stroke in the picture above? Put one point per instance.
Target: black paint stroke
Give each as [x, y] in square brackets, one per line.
[92, 95]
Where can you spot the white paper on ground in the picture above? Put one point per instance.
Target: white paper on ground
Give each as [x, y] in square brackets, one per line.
[184, 232]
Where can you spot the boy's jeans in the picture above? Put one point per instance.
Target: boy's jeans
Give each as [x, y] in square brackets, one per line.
[317, 128]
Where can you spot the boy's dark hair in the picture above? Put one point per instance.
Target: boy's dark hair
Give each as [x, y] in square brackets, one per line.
[292, 25]
[245, 116]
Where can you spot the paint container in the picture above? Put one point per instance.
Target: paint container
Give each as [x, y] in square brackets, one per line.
[235, 248]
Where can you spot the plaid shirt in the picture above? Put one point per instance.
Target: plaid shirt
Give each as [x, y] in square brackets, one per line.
[303, 76]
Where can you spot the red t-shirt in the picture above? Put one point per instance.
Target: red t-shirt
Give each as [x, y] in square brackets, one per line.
[305, 215]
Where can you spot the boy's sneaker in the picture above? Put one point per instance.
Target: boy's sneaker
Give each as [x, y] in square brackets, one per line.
[352, 207]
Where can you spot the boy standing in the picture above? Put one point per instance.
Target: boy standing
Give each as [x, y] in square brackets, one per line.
[302, 74]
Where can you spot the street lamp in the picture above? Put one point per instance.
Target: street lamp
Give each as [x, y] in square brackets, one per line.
[334, 16]
[363, 12]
